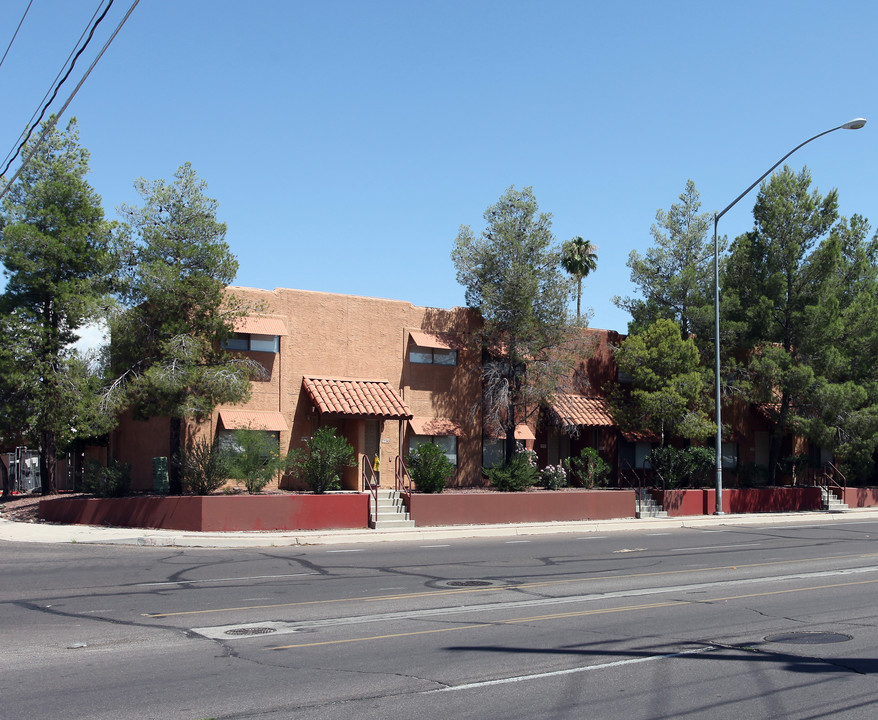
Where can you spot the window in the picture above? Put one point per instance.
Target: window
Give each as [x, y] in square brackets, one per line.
[226, 440]
[730, 456]
[493, 451]
[432, 356]
[448, 443]
[253, 342]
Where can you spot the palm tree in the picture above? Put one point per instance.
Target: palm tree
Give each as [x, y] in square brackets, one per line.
[578, 257]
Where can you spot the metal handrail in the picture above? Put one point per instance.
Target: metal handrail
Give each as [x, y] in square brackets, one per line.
[655, 473]
[403, 481]
[637, 485]
[829, 476]
[369, 479]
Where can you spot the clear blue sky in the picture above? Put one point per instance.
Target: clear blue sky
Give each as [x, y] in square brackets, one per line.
[347, 141]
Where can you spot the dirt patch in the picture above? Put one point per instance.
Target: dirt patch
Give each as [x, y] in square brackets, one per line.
[21, 508]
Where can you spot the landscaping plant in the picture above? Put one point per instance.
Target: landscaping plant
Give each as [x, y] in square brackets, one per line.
[114, 480]
[255, 460]
[553, 477]
[326, 458]
[429, 468]
[204, 468]
[518, 474]
[683, 467]
[588, 470]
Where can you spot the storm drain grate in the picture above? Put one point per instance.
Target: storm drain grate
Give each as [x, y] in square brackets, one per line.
[469, 583]
[808, 638]
[250, 631]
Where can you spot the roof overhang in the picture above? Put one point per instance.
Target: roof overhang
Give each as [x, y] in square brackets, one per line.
[522, 432]
[260, 325]
[356, 397]
[435, 426]
[252, 420]
[441, 340]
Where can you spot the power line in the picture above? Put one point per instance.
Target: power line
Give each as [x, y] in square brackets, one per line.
[15, 34]
[57, 116]
[58, 87]
[60, 72]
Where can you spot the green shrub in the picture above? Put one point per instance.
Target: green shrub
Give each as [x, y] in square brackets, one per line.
[517, 475]
[752, 475]
[204, 468]
[683, 467]
[326, 458]
[429, 468]
[588, 470]
[255, 459]
[553, 477]
[114, 480]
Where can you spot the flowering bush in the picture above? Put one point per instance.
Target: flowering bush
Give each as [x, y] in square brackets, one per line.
[529, 455]
[553, 477]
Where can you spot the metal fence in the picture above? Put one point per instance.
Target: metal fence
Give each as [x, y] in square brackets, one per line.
[24, 472]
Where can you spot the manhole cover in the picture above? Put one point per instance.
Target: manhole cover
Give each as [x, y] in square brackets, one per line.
[250, 631]
[469, 583]
[808, 638]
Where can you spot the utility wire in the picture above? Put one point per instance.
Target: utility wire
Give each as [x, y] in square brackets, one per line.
[58, 87]
[60, 72]
[53, 120]
[15, 34]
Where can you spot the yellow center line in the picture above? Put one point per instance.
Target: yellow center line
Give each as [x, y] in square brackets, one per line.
[571, 614]
[502, 588]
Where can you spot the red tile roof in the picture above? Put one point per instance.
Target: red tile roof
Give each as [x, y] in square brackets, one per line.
[355, 396]
[252, 420]
[582, 410]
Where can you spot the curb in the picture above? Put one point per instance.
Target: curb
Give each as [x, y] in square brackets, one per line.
[11, 531]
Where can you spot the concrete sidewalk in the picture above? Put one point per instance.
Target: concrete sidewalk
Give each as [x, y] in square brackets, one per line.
[12, 531]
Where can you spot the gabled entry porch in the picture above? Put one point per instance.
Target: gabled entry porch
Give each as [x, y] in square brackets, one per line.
[370, 415]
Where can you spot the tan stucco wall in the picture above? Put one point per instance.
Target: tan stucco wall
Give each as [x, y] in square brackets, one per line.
[332, 335]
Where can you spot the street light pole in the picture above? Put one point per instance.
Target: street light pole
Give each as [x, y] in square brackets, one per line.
[854, 124]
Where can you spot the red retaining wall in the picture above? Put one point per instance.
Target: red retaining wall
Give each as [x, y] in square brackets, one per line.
[214, 512]
[739, 500]
[490, 508]
[861, 497]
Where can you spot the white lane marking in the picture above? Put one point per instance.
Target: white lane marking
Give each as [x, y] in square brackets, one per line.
[715, 547]
[228, 579]
[343, 551]
[569, 671]
[218, 632]
[516, 542]
[793, 526]
[435, 546]
[656, 534]
[593, 537]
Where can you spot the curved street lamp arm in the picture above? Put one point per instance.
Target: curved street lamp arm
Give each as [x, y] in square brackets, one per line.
[762, 177]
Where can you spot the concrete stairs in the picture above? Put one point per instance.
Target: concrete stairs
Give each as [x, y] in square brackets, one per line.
[390, 512]
[647, 506]
[831, 503]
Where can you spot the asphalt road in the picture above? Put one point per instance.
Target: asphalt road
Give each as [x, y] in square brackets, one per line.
[749, 622]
